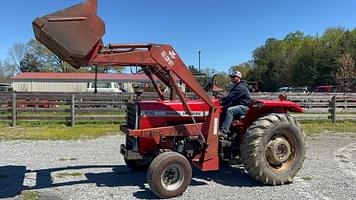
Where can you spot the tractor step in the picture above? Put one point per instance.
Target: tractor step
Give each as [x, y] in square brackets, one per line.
[129, 154]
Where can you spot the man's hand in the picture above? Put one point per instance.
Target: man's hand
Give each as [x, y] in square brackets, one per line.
[219, 95]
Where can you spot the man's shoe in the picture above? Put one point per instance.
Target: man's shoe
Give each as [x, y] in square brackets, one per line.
[222, 135]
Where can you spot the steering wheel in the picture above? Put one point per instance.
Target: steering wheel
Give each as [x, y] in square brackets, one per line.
[219, 95]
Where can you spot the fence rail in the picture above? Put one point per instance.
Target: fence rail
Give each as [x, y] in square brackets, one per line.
[72, 107]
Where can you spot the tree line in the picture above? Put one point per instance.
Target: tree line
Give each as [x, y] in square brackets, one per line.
[35, 57]
[296, 60]
[304, 60]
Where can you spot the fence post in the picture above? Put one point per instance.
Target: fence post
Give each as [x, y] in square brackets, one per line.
[332, 109]
[14, 111]
[37, 102]
[72, 113]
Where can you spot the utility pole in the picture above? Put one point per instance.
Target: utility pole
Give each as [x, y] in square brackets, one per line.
[199, 52]
[96, 80]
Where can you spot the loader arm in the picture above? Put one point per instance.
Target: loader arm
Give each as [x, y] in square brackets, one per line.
[74, 34]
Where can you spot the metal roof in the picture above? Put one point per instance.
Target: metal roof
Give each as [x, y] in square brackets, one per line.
[79, 76]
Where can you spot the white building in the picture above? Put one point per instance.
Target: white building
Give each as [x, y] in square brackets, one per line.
[71, 82]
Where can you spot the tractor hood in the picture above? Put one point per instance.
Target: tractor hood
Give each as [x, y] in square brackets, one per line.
[73, 34]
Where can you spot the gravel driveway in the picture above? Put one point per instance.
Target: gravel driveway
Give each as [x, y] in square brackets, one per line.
[94, 169]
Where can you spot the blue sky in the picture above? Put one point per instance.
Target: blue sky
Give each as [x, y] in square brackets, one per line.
[226, 31]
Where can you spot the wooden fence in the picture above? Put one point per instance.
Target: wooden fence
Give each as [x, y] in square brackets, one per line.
[318, 102]
[72, 107]
[68, 107]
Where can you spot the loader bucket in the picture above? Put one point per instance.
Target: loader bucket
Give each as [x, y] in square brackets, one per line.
[73, 34]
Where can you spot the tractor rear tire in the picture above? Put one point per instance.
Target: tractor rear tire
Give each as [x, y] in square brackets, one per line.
[169, 175]
[273, 149]
[138, 165]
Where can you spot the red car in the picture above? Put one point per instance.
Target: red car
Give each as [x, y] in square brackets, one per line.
[325, 88]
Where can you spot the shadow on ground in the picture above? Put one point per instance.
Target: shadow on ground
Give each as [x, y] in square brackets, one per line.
[12, 179]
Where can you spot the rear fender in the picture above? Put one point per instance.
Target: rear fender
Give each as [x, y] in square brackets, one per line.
[261, 108]
[276, 106]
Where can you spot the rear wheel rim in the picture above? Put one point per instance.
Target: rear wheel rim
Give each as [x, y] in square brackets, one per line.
[280, 152]
[172, 177]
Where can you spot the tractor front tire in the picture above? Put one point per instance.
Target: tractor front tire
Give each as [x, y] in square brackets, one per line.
[273, 149]
[169, 175]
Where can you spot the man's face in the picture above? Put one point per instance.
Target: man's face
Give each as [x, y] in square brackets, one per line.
[235, 79]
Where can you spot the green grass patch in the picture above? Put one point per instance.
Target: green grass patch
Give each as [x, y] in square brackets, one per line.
[4, 124]
[307, 178]
[337, 113]
[317, 127]
[68, 159]
[52, 130]
[30, 195]
[68, 174]
[59, 131]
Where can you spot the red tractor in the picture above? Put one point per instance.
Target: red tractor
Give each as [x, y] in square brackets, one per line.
[167, 137]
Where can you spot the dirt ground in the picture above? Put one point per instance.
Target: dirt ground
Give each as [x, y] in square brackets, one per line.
[94, 169]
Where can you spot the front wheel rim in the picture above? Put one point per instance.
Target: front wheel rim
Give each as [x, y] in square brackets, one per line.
[172, 177]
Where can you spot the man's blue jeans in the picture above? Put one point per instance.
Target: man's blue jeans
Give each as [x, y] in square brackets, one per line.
[231, 112]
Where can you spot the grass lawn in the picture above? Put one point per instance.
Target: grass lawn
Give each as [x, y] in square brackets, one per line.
[58, 131]
[96, 129]
[317, 127]
[3, 124]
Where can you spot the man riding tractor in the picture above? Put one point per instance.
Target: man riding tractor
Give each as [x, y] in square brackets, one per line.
[235, 104]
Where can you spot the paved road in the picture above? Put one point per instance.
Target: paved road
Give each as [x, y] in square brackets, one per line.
[93, 169]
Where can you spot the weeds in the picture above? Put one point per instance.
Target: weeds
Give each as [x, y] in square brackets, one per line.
[307, 178]
[30, 195]
[68, 159]
[68, 174]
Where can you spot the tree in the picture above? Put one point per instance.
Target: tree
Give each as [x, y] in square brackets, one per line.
[303, 63]
[7, 69]
[48, 61]
[222, 80]
[16, 53]
[346, 71]
[2, 70]
[245, 68]
[301, 60]
[30, 63]
[109, 69]
[209, 71]
[38, 58]
[193, 69]
[270, 61]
